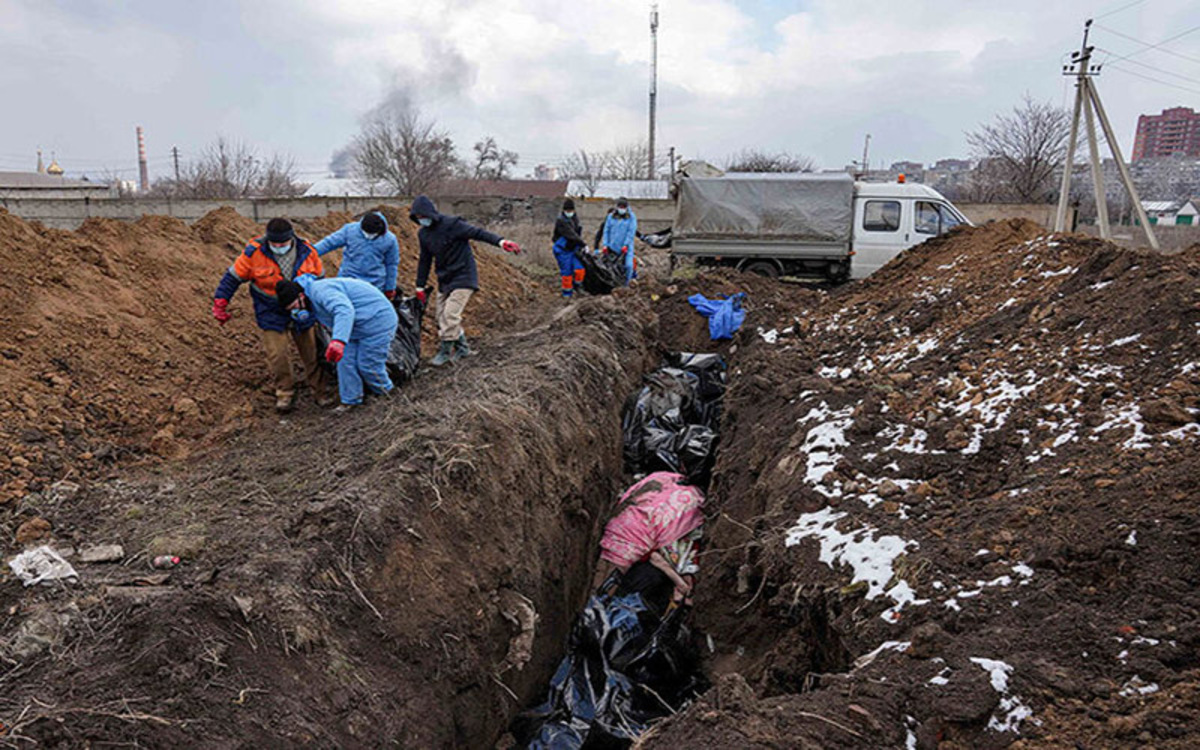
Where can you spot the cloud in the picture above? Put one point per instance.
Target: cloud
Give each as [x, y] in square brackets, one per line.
[546, 78]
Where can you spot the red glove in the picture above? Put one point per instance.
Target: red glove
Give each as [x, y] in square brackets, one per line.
[390, 294]
[335, 351]
[219, 312]
[509, 246]
[606, 249]
[624, 249]
[421, 296]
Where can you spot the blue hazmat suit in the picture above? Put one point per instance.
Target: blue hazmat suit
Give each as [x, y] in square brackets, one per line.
[619, 232]
[358, 314]
[374, 261]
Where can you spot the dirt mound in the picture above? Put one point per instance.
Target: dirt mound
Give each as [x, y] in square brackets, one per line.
[113, 356]
[224, 226]
[354, 589]
[975, 476]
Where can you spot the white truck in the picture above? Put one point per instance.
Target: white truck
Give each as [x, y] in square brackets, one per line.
[823, 226]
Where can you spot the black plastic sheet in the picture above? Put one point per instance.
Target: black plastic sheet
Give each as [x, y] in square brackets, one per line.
[602, 273]
[671, 422]
[404, 353]
[629, 662]
[323, 337]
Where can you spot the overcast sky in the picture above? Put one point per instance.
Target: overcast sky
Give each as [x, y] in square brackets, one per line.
[546, 77]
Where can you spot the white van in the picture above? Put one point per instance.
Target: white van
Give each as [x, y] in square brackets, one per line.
[814, 226]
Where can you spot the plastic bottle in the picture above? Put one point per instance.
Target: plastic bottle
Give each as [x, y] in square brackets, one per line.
[162, 562]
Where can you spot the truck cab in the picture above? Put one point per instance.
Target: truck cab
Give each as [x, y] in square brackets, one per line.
[891, 217]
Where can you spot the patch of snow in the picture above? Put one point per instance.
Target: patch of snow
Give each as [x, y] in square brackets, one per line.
[770, 336]
[1137, 686]
[1014, 710]
[866, 659]
[871, 557]
[1023, 570]
[1059, 272]
[822, 444]
[1008, 303]
[1131, 540]
[1099, 285]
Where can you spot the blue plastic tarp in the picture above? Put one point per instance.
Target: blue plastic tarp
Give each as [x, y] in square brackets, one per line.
[724, 315]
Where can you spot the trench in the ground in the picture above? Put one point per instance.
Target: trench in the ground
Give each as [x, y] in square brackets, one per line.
[805, 627]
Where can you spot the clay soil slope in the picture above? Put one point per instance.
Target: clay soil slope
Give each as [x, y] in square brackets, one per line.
[111, 355]
[957, 504]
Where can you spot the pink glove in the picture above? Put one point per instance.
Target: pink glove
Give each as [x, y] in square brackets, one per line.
[421, 296]
[335, 351]
[219, 312]
[509, 246]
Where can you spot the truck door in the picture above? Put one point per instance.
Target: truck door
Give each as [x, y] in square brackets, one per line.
[881, 231]
[931, 219]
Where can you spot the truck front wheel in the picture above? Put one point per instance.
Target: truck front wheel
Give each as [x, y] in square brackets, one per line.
[762, 268]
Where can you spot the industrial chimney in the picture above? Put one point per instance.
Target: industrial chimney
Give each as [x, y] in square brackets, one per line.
[143, 172]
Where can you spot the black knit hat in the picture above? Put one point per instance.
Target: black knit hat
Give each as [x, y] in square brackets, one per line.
[373, 223]
[569, 205]
[287, 292]
[279, 231]
[622, 202]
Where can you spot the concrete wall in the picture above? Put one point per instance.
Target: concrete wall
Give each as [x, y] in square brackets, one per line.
[1171, 239]
[1040, 213]
[69, 214]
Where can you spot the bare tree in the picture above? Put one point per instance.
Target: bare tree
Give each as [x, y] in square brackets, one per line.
[629, 161]
[229, 169]
[491, 163]
[753, 160]
[401, 149]
[1024, 150]
[588, 167]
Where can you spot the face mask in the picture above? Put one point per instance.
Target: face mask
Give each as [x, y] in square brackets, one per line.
[425, 221]
[568, 214]
[300, 315]
[281, 249]
[622, 211]
[368, 235]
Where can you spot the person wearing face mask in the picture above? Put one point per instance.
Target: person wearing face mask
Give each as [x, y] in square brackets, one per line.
[371, 252]
[445, 244]
[620, 230]
[277, 256]
[363, 324]
[567, 240]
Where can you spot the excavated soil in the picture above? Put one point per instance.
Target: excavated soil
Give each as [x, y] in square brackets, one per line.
[954, 505]
[975, 476]
[112, 356]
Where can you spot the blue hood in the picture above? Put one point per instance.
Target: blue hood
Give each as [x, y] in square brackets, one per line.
[423, 206]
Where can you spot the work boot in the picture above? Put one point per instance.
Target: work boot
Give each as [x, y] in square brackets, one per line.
[325, 401]
[445, 354]
[284, 404]
[461, 349]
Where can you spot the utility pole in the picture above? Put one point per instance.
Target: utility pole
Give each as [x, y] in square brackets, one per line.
[866, 148]
[653, 81]
[1087, 98]
[671, 158]
[175, 156]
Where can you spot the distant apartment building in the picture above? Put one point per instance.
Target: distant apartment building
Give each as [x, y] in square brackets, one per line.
[1174, 132]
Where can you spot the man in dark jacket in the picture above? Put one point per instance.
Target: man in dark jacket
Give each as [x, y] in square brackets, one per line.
[445, 242]
[567, 240]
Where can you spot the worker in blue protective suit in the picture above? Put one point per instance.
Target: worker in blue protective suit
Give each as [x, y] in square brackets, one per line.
[371, 252]
[568, 241]
[620, 230]
[363, 324]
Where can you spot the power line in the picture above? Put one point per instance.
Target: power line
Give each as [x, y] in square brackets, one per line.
[1155, 80]
[1149, 47]
[1118, 10]
[1157, 47]
[1151, 67]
